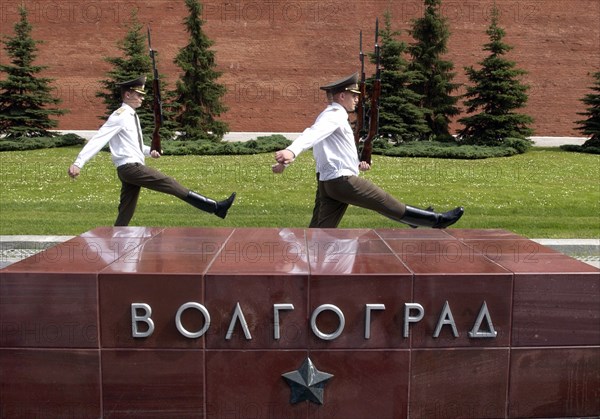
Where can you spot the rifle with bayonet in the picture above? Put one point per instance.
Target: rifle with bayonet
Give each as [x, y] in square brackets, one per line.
[359, 123]
[157, 102]
[367, 143]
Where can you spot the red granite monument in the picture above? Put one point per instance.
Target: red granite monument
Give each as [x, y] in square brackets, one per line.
[137, 322]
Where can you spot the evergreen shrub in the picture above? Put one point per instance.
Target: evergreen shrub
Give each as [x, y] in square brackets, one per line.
[266, 144]
[445, 150]
[35, 143]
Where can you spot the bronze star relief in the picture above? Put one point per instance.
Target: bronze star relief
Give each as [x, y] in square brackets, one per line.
[307, 383]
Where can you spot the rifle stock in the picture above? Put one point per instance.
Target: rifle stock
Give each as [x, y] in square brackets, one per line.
[367, 144]
[367, 148]
[360, 109]
[157, 102]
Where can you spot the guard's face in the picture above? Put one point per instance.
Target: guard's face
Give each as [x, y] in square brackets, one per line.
[349, 100]
[134, 99]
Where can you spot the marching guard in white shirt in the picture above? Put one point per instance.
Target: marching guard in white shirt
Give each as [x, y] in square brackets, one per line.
[123, 133]
[338, 167]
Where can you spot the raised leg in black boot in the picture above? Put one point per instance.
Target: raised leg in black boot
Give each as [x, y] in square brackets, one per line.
[209, 205]
[423, 218]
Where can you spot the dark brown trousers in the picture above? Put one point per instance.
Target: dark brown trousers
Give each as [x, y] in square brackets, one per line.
[133, 177]
[335, 195]
[314, 221]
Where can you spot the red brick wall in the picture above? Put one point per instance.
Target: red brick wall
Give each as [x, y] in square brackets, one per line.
[274, 54]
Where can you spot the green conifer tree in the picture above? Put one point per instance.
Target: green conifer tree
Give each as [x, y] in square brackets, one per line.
[591, 125]
[198, 93]
[495, 94]
[400, 116]
[431, 33]
[135, 62]
[26, 100]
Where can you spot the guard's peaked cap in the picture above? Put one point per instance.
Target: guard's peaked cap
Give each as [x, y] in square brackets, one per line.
[137, 85]
[349, 83]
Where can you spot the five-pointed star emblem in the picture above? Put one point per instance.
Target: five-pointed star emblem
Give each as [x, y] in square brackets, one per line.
[307, 383]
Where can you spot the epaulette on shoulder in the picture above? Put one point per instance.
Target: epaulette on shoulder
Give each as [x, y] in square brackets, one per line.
[120, 110]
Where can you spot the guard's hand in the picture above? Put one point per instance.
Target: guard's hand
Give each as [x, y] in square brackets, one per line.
[278, 168]
[363, 166]
[74, 171]
[284, 156]
[155, 154]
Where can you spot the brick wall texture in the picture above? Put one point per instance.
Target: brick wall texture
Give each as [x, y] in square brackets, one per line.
[275, 53]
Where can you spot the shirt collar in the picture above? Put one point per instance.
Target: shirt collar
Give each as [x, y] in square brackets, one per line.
[340, 107]
[129, 108]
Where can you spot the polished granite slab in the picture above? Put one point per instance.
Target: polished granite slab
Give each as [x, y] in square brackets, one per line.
[151, 322]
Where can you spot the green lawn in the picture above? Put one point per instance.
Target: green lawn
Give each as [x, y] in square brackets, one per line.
[545, 193]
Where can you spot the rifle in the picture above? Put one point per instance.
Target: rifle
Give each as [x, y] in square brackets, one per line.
[367, 148]
[156, 103]
[359, 124]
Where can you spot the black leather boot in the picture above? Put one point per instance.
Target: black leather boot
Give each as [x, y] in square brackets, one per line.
[210, 205]
[429, 208]
[422, 218]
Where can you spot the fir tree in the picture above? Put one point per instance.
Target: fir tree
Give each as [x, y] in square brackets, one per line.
[400, 116]
[134, 62]
[591, 125]
[198, 93]
[26, 100]
[496, 93]
[431, 33]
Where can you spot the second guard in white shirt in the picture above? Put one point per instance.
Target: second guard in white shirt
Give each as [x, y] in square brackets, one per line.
[338, 167]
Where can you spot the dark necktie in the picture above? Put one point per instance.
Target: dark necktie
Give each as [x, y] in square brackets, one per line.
[139, 131]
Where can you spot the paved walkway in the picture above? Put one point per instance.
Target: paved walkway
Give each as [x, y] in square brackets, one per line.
[15, 248]
[245, 136]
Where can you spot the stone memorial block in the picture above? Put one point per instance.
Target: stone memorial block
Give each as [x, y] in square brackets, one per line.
[158, 322]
